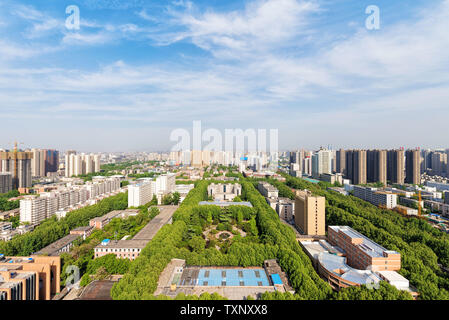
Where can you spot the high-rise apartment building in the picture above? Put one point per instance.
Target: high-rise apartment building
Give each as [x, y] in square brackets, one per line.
[51, 161]
[356, 166]
[18, 163]
[79, 164]
[438, 163]
[33, 210]
[413, 167]
[321, 163]
[376, 166]
[307, 165]
[38, 163]
[140, 194]
[395, 166]
[5, 182]
[340, 164]
[447, 163]
[310, 213]
[69, 163]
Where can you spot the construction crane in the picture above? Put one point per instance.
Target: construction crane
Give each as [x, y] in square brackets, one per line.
[14, 157]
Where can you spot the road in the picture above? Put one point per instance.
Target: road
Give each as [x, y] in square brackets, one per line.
[150, 230]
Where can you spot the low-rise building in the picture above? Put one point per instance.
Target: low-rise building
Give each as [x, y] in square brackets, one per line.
[285, 208]
[267, 190]
[376, 197]
[361, 252]
[29, 278]
[406, 210]
[60, 246]
[101, 222]
[122, 249]
[84, 232]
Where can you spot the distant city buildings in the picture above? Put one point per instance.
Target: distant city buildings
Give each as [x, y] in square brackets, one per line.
[5, 182]
[321, 163]
[413, 167]
[365, 166]
[224, 192]
[18, 163]
[80, 164]
[143, 191]
[376, 197]
[35, 209]
[44, 162]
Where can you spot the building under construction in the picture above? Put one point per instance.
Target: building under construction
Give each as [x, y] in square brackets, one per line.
[18, 163]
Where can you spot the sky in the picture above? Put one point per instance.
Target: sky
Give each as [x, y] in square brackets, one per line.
[136, 70]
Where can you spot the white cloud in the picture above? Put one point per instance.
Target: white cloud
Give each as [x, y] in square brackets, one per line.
[261, 26]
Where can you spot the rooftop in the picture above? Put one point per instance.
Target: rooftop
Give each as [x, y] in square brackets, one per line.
[119, 244]
[370, 247]
[53, 248]
[225, 203]
[338, 266]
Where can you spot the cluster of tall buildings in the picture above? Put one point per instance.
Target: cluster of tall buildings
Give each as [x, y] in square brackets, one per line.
[435, 162]
[201, 158]
[79, 164]
[35, 209]
[360, 166]
[21, 166]
[371, 166]
[18, 165]
[43, 162]
[143, 191]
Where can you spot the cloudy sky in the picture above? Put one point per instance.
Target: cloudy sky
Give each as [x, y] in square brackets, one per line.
[138, 69]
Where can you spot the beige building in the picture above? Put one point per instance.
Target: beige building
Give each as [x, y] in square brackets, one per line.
[29, 278]
[377, 166]
[413, 167]
[310, 213]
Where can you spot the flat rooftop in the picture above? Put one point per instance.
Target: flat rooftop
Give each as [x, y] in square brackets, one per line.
[123, 244]
[225, 203]
[149, 231]
[370, 247]
[53, 248]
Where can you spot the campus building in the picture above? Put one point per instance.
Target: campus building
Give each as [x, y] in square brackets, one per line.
[29, 278]
[310, 213]
[361, 252]
[376, 197]
[139, 194]
[226, 192]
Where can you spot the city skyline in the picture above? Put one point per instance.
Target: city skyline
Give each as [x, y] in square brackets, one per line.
[135, 72]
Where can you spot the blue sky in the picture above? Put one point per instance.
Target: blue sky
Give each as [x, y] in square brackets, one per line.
[138, 69]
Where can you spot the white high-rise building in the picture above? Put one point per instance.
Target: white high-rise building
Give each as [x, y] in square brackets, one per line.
[89, 163]
[321, 163]
[76, 165]
[139, 194]
[38, 163]
[33, 210]
[97, 163]
[165, 183]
